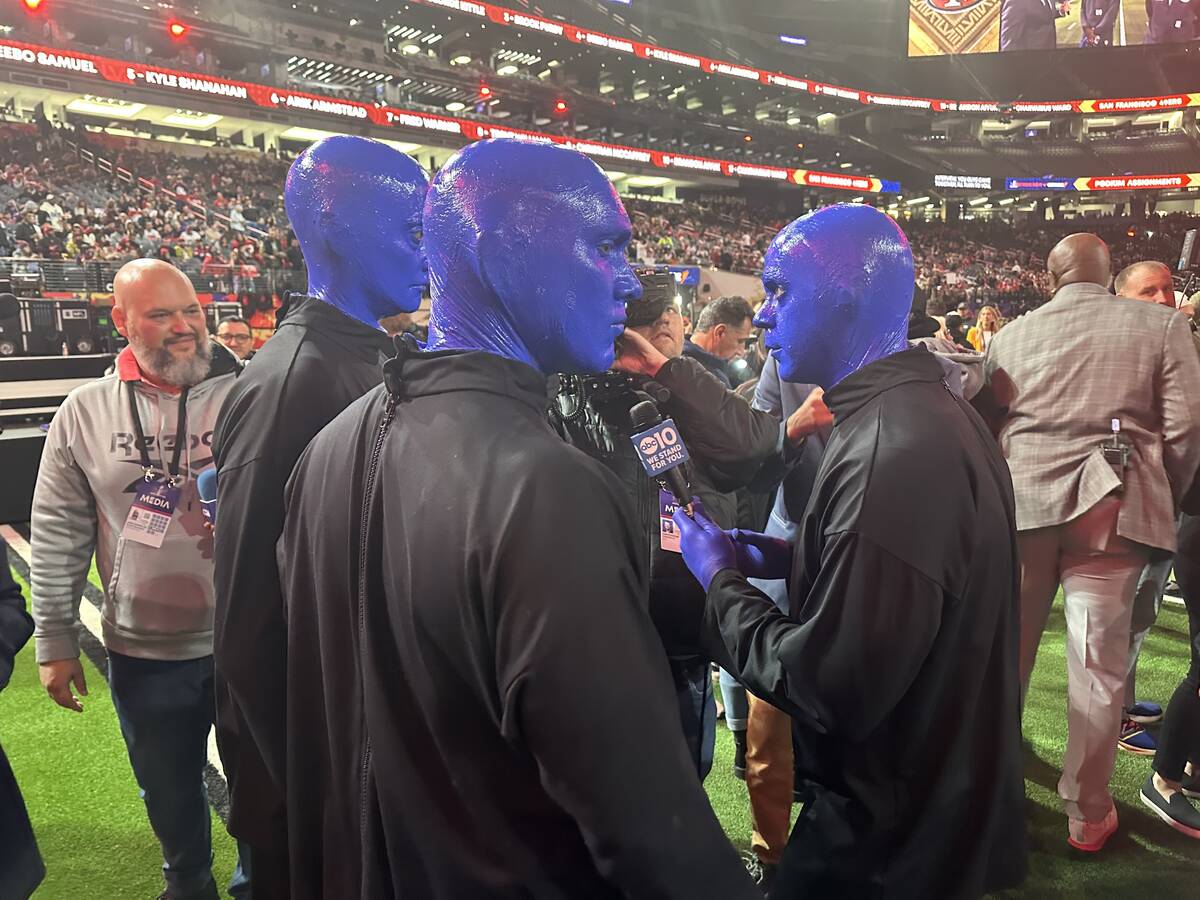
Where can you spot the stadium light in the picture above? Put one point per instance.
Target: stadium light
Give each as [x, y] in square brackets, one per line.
[560, 106]
[177, 29]
[33, 5]
[794, 39]
[485, 92]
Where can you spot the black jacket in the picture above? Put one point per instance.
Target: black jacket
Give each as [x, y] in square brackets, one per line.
[315, 365]
[1100, 15]
[714, 364]
[478, 704]
[1028, 24]
[1170, 21]
[899, 662]
[21, 868]
[726, 438]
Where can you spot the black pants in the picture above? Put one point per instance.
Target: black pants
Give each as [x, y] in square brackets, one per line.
[21, 867]
[1179, 740]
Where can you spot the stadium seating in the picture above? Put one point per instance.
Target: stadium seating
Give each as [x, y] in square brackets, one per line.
[80, 203]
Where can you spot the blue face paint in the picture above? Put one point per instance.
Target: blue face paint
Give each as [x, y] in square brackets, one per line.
[526, 247]
[839, 286]
[355, 205]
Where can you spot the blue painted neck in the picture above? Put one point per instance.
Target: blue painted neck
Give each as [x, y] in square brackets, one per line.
[342, 293]
[468, 316]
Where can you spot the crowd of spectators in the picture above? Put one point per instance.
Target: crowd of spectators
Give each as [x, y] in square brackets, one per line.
[979, 262]
[219, 213]
[721, 234]
[210, 213]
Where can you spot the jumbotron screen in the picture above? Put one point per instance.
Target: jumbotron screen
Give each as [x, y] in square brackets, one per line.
[949, 27]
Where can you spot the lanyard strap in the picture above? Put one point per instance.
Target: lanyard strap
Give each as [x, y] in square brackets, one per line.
[180, 435]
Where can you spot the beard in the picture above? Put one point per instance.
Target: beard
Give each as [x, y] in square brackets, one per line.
[169, 369]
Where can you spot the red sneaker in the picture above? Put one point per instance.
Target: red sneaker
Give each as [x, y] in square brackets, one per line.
[1090, 836]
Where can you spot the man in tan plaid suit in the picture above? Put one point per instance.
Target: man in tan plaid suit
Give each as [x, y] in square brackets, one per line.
[1060, 375]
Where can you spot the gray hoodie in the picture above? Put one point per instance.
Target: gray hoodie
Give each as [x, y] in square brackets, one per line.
[158, 603]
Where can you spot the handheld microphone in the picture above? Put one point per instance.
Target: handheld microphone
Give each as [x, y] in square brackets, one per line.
[661, 449]
[206, 485]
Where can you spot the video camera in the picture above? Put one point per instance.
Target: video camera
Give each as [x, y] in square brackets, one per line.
[658, 291]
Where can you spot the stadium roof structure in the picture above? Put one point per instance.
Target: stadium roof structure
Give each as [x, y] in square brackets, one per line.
[703, 86]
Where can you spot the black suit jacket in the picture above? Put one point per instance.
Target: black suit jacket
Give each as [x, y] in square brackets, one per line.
[1028, 25]
[1171, 21]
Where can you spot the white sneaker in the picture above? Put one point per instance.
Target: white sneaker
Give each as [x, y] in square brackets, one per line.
[1090, 836]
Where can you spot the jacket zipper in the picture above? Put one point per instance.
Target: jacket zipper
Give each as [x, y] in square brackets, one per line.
[368, 496]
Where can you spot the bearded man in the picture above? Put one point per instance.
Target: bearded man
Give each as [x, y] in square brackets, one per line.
[118, 480]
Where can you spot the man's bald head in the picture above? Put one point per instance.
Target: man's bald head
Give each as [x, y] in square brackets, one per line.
[155, 307]
[1148, 280]
[1079, 259]
[143, 280]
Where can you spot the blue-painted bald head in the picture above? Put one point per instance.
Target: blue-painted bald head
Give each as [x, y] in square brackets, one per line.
[526, 246]
[839, 285]
[355, 205]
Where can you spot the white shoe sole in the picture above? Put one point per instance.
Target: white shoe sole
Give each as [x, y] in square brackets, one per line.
[1146, 720]
[1136, 751]
[1178, 826]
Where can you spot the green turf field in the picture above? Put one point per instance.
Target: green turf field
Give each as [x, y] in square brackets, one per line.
[92, 828]
[1144, 859]
[82, 798]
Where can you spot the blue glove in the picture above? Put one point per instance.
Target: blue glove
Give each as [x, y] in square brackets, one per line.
[761, 556]
[706, 548]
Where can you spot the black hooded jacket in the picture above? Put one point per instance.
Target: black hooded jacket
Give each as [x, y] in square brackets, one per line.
[317, 363]
[899, 661]
[478, 704]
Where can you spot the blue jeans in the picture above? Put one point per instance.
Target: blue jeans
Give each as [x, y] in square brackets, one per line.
[1146, 604]
[166, 710]
[737, 706]
[697, 710]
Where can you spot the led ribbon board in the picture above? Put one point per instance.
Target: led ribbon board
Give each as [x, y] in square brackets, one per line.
[966, 29]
